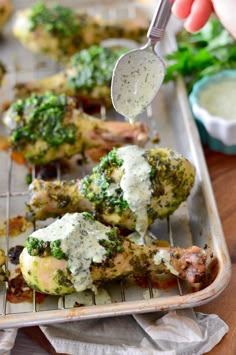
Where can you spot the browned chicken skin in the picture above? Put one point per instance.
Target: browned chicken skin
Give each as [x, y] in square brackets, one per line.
[79, 253]
[48, 127]
[188, 263]
[70, 31]
[172, 177]
[87, 76]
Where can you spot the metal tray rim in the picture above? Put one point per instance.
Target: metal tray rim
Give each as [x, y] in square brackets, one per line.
[161, 304]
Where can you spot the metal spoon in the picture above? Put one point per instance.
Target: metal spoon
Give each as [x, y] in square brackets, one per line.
[139, 73]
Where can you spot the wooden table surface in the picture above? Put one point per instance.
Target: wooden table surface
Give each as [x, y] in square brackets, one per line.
[222, 170]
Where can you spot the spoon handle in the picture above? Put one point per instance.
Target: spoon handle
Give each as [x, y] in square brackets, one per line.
[160, 20]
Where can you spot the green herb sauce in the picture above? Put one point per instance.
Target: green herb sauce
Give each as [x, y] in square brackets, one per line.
[100, 188]
[93, 67]
[44, 248]
[41, 117]
[59, 20]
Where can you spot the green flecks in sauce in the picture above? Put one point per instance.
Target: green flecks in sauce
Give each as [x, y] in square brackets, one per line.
[41, 117]
[93, 67]
[136, 184]
[137, 78]
[133, 191]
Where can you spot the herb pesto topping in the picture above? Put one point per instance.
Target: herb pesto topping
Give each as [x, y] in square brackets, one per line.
[101, 189]
[44, 248]
[93, 67]
[41, 117]
[56, 19]
[107, 162]
[121, 183]
[171, 180]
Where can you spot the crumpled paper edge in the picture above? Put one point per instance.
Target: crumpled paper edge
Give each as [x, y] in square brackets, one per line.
[7, 340]
[207, 331]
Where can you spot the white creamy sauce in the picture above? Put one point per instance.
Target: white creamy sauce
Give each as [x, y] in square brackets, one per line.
[219, 99]
[163, 256]
[112, 189]
[136, 184]
[79, 241]
[136, 238]
[137, 78]
[9, 119]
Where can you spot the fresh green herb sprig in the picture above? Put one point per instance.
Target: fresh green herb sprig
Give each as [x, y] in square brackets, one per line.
[93, 67]
[206, 52]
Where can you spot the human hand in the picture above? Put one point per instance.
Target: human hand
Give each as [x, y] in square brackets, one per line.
[197, 13]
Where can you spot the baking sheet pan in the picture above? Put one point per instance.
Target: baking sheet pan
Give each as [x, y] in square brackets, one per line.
[196, 222]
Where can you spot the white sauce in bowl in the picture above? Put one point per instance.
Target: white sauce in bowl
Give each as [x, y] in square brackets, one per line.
[219, 99]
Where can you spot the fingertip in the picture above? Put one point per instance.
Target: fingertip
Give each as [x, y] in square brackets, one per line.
[182, 8]
[200, 13]
[190, 26]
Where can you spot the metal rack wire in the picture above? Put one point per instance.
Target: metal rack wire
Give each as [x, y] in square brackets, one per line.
[9, 194]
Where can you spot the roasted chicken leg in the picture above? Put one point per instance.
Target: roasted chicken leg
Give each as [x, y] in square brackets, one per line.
[87, 76]
[77, 252]
[60, 32]
[130, 188]
[49, 127]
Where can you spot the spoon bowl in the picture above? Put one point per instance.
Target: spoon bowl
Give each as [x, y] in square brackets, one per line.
[139, 73]
[136, 80]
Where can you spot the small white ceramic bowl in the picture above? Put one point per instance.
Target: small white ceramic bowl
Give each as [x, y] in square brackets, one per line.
[213, 103]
